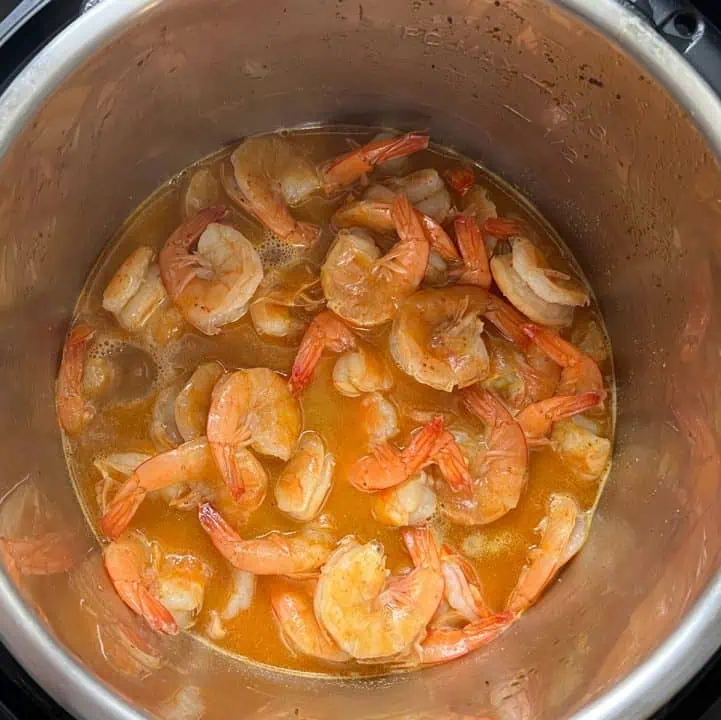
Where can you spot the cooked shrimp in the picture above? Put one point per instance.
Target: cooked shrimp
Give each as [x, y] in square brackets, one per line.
[520, 295]
[326, 332]
[463, 590]
[443, 644]
[476, 203]
[212, 286]
[538, 419]
[203, 191]
[436, 337]
[350, 167]
[74, 410]
[424, 188]
[180, 585]
[163, 429]
[373, 617]
[136, 290]
[272, 175]
[585, 452]
[413, 502]
[251, 408]
[186, 464]
[461, 179]
[498, 475]
[361, 371]
[293, 610]
[365, 288]
[122, 464]
[550, 285]
[378, 215]
[272, 554]
[191, 406]
[379, 418]
[387, 466]
[580, 373]
[469, 236]
[241, 596]
[128, 563]
[520, 379]
[563, 532]
[304, 483]
[284, 299]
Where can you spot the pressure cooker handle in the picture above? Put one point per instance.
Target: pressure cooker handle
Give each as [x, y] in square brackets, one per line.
[689, 31]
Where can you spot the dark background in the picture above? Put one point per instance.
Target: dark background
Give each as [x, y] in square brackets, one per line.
[20, 697]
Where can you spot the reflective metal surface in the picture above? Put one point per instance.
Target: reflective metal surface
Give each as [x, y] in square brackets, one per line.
[137, 89]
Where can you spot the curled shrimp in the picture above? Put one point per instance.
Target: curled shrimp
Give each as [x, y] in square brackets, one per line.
[537, 419]
[285, 298]
[387, 466]
[550, 285]
[424, 188]
[463, 590]
[326, 332]
[251, 408]
[127, 561]
[73, 408]
[272, 554]
[582, 450]
[579, 373]
[273, 176]
[436, 337]
[443, 644]
[304, 483]
[413, 502]
[192, 404]
[563, 532]
[520, 295]
[361, 371]
[498, 476]
[293, 610]
[379, 418]
[213, 285]
[364, 287]
[370, 616]
[136, 291]
[469, 236]
[520, 379]
[189, 463]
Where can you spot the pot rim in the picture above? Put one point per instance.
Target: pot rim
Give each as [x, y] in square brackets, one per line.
[647, 687]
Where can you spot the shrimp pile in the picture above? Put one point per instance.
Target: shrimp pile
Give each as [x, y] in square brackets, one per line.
[374, 411]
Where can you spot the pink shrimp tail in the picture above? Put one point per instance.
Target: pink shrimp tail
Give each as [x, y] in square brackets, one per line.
[444, 644]
[453, 464]
[220, 532]
[508, 321]
[175, 270]
[224, 455]
[469, 236]
[383, 469]
[156, 614]
[460, 179]
[422, 548]
[438, 238]
[122, 509]
[326, 332]
[423, 445]
[350, 167]
[502, 228]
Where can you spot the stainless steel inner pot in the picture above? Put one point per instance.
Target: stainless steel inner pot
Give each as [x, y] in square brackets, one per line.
[576, 103]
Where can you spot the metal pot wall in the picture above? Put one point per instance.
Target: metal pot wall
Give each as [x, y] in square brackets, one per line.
[578, 104]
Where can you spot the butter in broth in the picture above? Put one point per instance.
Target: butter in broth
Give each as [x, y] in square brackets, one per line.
[498, 550]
